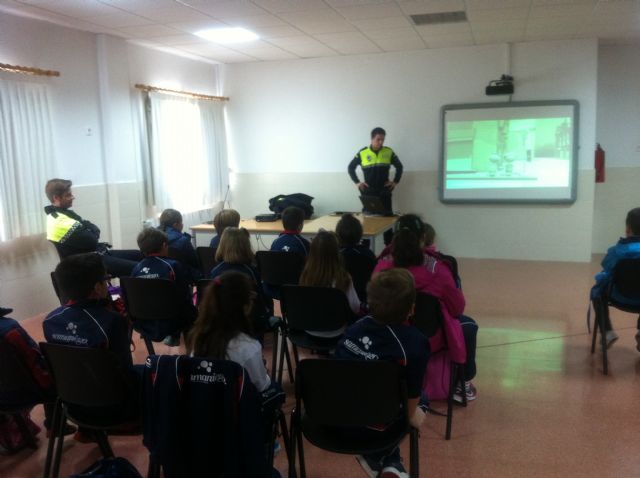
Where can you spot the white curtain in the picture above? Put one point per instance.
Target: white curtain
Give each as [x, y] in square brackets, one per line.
[26, 157]
[187, 161]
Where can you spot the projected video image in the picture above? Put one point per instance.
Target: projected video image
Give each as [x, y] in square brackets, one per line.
[515, 152]
[508, 153]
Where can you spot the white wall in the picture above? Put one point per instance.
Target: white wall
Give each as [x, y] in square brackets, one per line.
[302, 121]
[95, 90]
[618, 132]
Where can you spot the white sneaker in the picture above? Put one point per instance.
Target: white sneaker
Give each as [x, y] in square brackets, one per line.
[611, 337]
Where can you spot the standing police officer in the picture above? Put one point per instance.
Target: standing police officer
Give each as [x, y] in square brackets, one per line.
[375, 161]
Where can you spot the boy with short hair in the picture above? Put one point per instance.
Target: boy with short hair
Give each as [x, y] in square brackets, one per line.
[627, 247]
[156, 264]
[349, 231]
[387, 335]
[88, 318]
[290, 239]
[171, 224]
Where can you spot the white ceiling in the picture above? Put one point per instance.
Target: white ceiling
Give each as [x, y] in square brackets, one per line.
[316, 28]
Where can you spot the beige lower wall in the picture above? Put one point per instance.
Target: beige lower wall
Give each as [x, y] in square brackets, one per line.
[613, 198]
[530, 232]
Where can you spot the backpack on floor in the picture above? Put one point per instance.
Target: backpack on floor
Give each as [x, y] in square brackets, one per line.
[115, 467]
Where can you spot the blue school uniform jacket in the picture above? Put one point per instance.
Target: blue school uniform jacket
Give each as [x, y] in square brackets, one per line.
[291, 241]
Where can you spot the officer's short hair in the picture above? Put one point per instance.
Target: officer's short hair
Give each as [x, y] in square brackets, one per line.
[349, 230]
[293, 218]
[151, 240]
[78, 274]
[633, 221]
[169, 217]
[56, 187]
[391, 294]
[376, 131]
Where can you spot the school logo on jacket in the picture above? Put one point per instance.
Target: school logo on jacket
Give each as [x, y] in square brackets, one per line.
[73, 328]
[204, 374]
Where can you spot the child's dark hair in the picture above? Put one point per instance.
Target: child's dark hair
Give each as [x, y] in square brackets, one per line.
[405, 249]
[222, 315]
[151, 240]
[349, 230]
[392, 294]
[56, 187]
[633, 221]
[168, 218]
[293, 218]
[78, 274]
[429, 234]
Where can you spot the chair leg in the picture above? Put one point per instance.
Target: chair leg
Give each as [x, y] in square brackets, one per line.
[452, 388]
[149, 344]
[596, 326]
[303, 468]
[604, 312]
[414, 457]
[103, 443]
[274, 352]
[292, 440]
[288, 358]
[285, 434]
[52, 439]
[62, 420]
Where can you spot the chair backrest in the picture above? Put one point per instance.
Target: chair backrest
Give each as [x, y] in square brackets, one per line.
[207, 258]
[151, 299]
[59, 293]
[278, 267]
[179, 255]
[87, 377]
[428, 314]
[360, 267]
[351, 393]
[321, 309]
[626, 278]
[201, 285]
[16, 380]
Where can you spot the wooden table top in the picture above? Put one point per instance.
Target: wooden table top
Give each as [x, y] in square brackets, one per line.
[371, 225]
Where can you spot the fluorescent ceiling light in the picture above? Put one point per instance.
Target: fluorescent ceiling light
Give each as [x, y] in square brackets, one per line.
[227, 35]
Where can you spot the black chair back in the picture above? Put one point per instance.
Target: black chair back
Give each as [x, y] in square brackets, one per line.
[351, 393]
[360, 267]
[16, 381]
[207, 258]
[320, 309]
[201, 285]
[151, 299]
[428, 314]
[87, 377]
[278, 268]
[626, 278]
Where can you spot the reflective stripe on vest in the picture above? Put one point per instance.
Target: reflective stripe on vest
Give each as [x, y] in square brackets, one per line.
[60, 228]
[369, 158]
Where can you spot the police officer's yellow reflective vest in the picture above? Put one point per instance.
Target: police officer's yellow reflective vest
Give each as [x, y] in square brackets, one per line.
[369, 158]
[60, 227]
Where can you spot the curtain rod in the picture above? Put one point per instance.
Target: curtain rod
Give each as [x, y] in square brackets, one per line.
[184, 93]
[26, 70]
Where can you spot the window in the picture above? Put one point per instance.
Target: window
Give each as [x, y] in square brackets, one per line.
[187, 165]
[26, 157]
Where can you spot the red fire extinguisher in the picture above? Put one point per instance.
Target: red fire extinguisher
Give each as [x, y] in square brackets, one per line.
[599, 164]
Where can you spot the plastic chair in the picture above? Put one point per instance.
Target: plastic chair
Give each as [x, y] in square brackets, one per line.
[360, 268]
[428, 320]
[625, 281]
[153, 300]
[321, 309]
[336, 396]
[16, 381]
[93, 391]
[207, 258]
[219, 419]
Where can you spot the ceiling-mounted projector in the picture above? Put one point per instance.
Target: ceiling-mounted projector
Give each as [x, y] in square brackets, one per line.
[503, 86]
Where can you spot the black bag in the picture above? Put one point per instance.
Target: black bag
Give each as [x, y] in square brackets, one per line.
[279, 203]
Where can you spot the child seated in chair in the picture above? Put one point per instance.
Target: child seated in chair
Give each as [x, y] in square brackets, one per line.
[224, 331]
[349, 231]
[627, 247]
[387, 335]
[156, 264]
[222, 220]
[290, 239]
[171, 224]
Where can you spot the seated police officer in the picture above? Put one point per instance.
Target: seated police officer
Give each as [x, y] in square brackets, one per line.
[73, 235]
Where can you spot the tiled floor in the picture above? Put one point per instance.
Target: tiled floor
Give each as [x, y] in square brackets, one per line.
[544, 409]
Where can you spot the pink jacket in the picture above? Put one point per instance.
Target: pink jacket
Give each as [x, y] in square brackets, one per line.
[434, 277]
